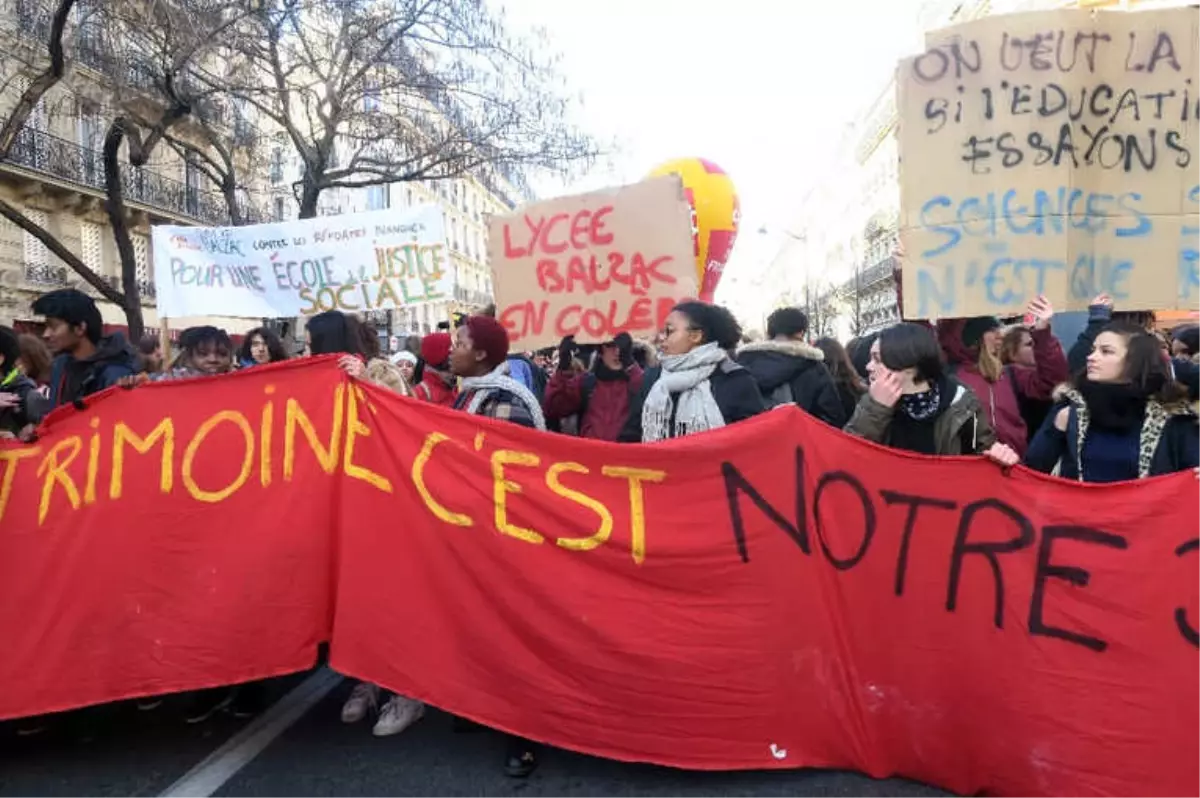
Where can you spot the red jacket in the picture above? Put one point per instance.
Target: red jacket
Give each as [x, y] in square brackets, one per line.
[999, 399]
[433, 388]
[607, 405]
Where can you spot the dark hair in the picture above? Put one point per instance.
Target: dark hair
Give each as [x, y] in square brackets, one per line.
[859, 350]
[1133, 318]
[714, 322]
[367, 336]
[10, 349]
[1011, 343]
[275, 349]
[1146, 369]
[788, 322]
[36, 356]
[332, 332]
[73, 307]
[839, 365]
[1189, 336]
[911, 346]
[413, 343]
[193, 338]
[149, 344]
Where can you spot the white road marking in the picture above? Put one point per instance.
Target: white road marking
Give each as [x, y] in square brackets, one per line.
[221, 765]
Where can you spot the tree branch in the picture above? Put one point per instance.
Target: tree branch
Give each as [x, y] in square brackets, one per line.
[42, 83]
[14, 215]
[114, 206]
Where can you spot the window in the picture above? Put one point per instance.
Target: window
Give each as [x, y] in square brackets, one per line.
[191, 173]
[280, 211]
[37, 257]
[141, 258]
[377, 198]
[91, 246]
[371, 101]
[276, 165]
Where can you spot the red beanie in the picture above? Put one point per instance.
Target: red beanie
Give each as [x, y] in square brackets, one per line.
[490, 337]
[435, 349]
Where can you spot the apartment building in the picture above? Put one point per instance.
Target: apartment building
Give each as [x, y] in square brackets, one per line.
[55, 175]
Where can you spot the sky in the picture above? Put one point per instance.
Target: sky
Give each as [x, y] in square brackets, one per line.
[761, 87]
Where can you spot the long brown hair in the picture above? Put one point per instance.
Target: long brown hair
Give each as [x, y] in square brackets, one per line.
[837, 360]
[35, 357]
[1012, 344]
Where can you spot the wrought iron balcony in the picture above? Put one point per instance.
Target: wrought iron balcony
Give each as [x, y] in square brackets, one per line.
[41, 152]
[45, 274]
[146, 289]
[470, 296]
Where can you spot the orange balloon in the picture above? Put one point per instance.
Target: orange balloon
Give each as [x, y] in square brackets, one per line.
[715, 216]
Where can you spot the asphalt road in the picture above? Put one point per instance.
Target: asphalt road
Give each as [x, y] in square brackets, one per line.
[119, 750]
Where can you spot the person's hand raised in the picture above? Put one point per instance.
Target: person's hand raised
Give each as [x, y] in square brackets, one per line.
[886, 388]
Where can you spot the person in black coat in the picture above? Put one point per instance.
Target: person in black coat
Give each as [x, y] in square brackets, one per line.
[21, 405]
[696, 387]
[790, 370]
[1123, 419]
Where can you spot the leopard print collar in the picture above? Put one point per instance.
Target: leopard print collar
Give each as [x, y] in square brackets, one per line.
[1157, 416]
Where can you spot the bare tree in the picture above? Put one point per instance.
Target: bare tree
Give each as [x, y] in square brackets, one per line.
[372, 93]
[146, 56]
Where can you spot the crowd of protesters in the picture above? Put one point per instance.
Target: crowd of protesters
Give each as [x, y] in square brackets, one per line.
[1120, 405]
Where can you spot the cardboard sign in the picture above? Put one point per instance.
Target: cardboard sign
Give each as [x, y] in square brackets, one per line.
[1052, 153]
[593, 265]
[377, 260]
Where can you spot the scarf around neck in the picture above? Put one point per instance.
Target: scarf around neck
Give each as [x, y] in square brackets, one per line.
[694, 410]
[498, 379]
[1113, 406]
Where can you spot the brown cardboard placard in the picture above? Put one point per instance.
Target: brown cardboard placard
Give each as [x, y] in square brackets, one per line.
[593, 265]
[1052, 153]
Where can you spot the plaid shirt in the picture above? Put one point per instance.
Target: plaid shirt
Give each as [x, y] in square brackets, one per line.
[501, 405]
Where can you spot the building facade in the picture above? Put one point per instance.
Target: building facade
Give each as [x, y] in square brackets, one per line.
[54, 174]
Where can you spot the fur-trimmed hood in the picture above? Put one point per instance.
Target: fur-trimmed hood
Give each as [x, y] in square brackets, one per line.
[792, 348]
[773, 363]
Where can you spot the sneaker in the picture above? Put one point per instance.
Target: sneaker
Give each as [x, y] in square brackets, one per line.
[398, 714]
[31, 727]
[207, 703]
[363, 698]
[521, 760]
[248, 700]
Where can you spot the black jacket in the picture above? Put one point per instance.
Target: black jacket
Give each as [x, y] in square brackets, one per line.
[1166, 442]
[733, 389]
[72, 379]
[773, 363]
[32, 408]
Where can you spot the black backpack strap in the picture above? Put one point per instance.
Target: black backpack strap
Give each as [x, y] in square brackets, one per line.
[585, 393]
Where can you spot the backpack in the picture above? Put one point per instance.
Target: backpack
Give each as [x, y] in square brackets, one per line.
[588, 388]
[781, 396]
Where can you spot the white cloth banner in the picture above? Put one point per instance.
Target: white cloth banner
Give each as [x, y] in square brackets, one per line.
[355, 262]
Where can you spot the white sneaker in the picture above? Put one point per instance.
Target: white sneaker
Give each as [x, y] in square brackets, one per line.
[363, 699]
[398, 714]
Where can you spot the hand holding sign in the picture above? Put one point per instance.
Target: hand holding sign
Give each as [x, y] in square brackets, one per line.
[1041, 311]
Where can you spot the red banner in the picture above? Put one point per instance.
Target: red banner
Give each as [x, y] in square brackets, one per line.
[772, 595]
